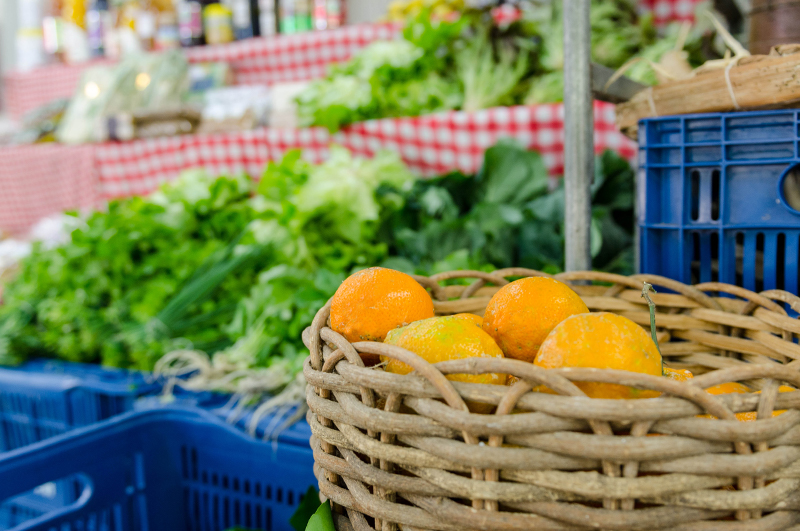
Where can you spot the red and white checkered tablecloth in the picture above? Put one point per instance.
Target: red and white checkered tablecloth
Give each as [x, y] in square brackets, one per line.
[666, 11]
[438, 143]
[254, 61]
[139, 167]
[44, 179]
[25, 91]
[429, 145]
[292, 57]
[40, 180]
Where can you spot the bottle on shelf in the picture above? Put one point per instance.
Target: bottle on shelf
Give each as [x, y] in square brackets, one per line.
[190, 23]
[98, 24]
[334, 10]
[255, 17]
[287, 21]
[303, 15]
[146, 27]
[167, 36]
[320, 14]
[74, 11]
[242, 15]
[217, 24]
[267, 18]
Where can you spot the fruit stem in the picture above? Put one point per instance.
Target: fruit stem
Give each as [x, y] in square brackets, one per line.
[646, 295]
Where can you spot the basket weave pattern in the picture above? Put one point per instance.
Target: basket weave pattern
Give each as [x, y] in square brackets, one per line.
[403, 451]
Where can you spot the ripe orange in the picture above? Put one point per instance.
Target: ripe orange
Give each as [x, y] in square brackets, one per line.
[603, 341]
[726, 388]
[680, 375]
[374, 301]
[470, 317]
[735, 387]
[521, 314]
[445, 338]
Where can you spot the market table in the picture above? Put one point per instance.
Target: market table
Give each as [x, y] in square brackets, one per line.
[260, 61]
[58, 177]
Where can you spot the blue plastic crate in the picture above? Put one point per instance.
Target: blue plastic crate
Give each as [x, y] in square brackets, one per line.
[165, 469]
[711, 198]
[45, 398]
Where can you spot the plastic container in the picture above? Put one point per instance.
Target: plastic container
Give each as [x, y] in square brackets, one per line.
[164, 470]
[717, 199]
[45, 398]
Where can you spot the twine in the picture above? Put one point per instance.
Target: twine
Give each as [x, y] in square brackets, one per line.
[731, 64]
[652, 102]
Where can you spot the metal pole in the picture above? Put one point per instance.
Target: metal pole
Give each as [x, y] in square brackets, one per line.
[578, 135]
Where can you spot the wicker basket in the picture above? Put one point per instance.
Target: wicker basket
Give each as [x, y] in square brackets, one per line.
[404, 451]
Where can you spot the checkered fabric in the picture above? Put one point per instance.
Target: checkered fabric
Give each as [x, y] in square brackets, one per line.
[438, 143]
[291, 57]
[44, 179]
[139, 167]
[429, 145]
[254, 61]
[25, 91]
[39, 180]
[666, 11]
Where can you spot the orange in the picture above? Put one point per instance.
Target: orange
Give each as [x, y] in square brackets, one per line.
[374, 301]
[752, 415]
[445, 338]
[726, 388]
[521, 314]
[680, 375]
[477, 320]
[603, 341]
[734, 387]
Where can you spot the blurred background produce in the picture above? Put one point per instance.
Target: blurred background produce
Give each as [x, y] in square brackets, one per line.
[450, 55]
[233, 270]
[473, 61]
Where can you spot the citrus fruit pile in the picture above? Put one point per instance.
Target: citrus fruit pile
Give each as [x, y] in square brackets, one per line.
[536, 319]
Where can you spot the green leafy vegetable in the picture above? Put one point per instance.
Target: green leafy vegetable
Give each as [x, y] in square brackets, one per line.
[506, 217]
[488, 81]
[80, 301]
[307, 508]
[322, 520]
[472, 63]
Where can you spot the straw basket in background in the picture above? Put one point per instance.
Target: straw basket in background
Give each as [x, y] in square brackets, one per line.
[403, 451]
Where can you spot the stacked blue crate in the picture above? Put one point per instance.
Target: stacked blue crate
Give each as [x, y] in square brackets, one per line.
[164, 469]
[715, 198]
[45, 398]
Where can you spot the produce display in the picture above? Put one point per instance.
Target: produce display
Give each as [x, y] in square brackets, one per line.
[612, 454]
[537, 320]
[221, 275]
[506, 216]
[151, 275]
[469, 62]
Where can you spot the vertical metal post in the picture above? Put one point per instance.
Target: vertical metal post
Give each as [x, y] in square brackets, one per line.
[578, 135]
